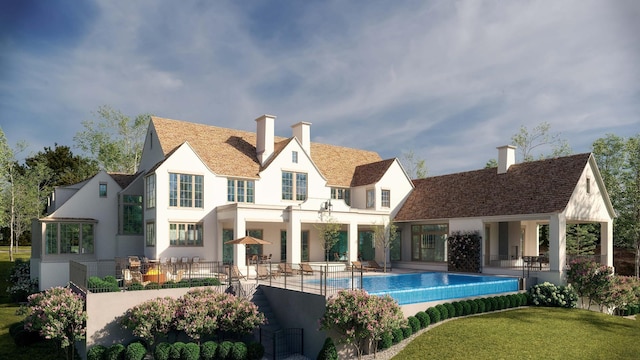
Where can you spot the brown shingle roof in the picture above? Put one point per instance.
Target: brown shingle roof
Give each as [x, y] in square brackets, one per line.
[370, 173]
[123, 180]
[534, 187]
[231, 152]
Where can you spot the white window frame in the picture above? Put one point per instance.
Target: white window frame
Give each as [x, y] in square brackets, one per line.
[371, 198]
[385, 198]
[299, 187]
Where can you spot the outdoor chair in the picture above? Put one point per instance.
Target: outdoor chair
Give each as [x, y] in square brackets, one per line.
[285, 269]
[306, 269]
[263, 273]
[357, 265]
[236, 274]
[374, 266]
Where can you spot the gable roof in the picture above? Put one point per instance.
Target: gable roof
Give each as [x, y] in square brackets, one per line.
[123, 180]
[534, 187]
[370, 173]
[230, 152]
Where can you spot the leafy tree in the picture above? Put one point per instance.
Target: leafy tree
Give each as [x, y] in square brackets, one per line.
[66, 167]
[115, 141]
[619, 162]
[416, 168]
[385, 236]
[527, 141]
[329, 231]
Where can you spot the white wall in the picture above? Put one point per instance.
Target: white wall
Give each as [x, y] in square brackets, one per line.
[587, 206]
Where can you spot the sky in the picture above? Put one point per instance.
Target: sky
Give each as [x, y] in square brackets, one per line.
[447, 80]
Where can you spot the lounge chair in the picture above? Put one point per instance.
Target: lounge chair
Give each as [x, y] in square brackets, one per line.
[285, 269]
[374, 266]
[306, 269]
[357, 265]
[262, 272]
[236, 274]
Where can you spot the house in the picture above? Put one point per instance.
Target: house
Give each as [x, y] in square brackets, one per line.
[200, 186]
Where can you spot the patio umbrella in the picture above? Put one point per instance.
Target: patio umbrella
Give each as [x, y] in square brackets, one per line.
[248, 240]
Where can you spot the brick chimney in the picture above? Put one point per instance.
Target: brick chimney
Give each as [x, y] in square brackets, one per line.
[302, 131]
[506, 158]
[265, 134]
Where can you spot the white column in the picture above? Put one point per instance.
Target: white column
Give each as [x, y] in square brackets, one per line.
[353, 241]
[240, 251]
[557, 242]
[294, 242]
[606, 243]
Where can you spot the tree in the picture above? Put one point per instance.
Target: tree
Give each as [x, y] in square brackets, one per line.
[526, 141]
[619, 162]
[385, 236]
[329, 231]
[115, 141]
[581, 239]
[67, 168]
[416, 168]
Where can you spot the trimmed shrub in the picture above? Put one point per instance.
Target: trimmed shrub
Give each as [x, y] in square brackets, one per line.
[424, 319]
[115, 352]
[96, 352]
[525, 299]
[406, 332]
[98, 285]
[414, 323]
[209, 350]
[466, 308]
[255, 351]
[161, 351]
[398, 335]
[176, 350]
[451, 310]
[501, 302]
[474, 306]
[135, 287]
[495, 305]
[385, 341]
[135, 351]
[482, 305]
[457, 305]
[224, 350]
[190, 351]
[328, 351]
[434, 315]
[239, 351]
[20, 283]
[444, 312]
[152, 286]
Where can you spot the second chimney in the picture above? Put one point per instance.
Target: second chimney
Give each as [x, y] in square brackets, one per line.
[302, 131]
[265, 136]
[506, 158]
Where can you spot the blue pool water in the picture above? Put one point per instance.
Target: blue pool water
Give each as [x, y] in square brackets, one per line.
[430, 286]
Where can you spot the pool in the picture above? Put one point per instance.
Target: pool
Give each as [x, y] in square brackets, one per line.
[430, 286]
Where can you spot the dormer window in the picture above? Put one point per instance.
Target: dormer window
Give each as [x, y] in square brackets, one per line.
[294, 157]
[385, 198]
[371, 198]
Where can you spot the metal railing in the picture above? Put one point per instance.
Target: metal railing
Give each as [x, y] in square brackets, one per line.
[281, 344]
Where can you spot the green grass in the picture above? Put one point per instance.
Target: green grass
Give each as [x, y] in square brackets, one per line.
[8, 349]
[530, 333]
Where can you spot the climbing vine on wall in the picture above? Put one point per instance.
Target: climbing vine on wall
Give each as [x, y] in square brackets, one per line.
[465, 252]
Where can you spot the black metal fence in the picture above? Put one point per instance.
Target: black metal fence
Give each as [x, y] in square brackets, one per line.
[280, 344]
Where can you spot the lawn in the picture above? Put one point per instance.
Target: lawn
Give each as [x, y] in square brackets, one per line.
[8, 349]
[529, 333]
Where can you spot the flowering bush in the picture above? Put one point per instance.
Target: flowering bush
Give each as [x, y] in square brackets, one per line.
[21, 284]
[548, 294]
[361, 318]
[590, 280]
[151, 318]
[57, 314]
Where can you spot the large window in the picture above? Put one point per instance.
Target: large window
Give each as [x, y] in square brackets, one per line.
[227, 249]
[184, 234]
[304, 238]
[254, 249]
[131, 214]
[429, 242]
[283, 245]
[294, 183]
[150, 237]
[371, 198]
[69, 238]
[366, 246]
[341, 194]
[240, 190]
[151, 191]
[186, 190]
[385, 198]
